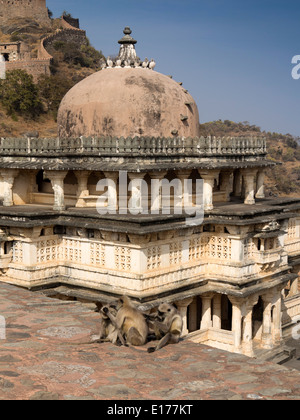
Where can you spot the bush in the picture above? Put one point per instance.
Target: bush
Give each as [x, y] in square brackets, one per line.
[19, 95]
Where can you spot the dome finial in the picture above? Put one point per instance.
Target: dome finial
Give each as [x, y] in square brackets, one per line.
[127, 38]
[127, 49]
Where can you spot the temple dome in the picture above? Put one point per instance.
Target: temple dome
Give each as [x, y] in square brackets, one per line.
[128, 102]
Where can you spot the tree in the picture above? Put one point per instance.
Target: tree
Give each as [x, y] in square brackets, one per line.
[19, 95]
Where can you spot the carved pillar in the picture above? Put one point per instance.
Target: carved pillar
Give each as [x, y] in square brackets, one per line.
[82, 190]
[236, 323]
[267, 340]
[8, 176]
[139, 198]
[208, 186]
[249, 183]
[156, 196]
[217, 317]
[206, 321]
[260, 188]
[182, 306]
[57, 181]
[186, 199]
[112, 191]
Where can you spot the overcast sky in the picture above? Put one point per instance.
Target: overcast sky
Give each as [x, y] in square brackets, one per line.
[234, 56]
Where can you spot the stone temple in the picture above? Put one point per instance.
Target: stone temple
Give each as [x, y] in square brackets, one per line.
[110, 207]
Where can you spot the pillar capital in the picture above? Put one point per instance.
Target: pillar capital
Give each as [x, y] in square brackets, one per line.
[207, 174]
[157, 175]
[249, 171]
[55, 175]
[183, 173]
[114, 175]
[136, 175]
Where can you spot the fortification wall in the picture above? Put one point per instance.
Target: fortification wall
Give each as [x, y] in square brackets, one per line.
[34, 9]
[33, 67]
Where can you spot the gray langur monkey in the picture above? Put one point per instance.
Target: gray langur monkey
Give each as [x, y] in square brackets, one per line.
[130, 322]
[108, 331]
[167, 324]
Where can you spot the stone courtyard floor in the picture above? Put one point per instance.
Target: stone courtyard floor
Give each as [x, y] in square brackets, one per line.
[40, 359]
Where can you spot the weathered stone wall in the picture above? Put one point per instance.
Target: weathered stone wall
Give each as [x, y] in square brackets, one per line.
[33, 67]
[34, 9]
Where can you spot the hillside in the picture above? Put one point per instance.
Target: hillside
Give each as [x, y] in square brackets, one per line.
[70, 64]
[283, 179]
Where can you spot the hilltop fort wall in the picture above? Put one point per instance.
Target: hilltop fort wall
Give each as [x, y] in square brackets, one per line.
[17, 57]
[34, 9]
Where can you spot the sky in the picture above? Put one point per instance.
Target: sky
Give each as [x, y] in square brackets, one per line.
[234, 56]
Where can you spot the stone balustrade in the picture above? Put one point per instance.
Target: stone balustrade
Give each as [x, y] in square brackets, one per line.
[137, 146]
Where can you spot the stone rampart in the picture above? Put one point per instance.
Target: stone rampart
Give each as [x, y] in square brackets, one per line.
[67, 34]
[33, 67]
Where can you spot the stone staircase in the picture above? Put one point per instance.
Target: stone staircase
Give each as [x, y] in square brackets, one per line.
[279, 354]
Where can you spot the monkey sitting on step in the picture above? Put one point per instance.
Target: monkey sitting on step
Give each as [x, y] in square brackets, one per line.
[167, 324]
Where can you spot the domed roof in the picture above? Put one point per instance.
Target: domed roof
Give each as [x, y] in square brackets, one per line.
[127, 102]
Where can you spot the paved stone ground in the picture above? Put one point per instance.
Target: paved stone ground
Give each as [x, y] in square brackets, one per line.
[39, 360]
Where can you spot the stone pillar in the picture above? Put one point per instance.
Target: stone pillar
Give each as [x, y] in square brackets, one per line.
[249, 182]
[217, 316]
[237, 183]
[260, 188]
[277, 314]
[112, 191]
[247, 344]
[8, 176]
[156, 196]
[57, 181]
[267, 340]
[182, 176]
[82, 191]
[206, 321]
[208, 186]
[225, 183]
[236, 323]
[137, 202]
[182, 306]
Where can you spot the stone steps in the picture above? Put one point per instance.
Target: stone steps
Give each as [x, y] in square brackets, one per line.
[279, 354]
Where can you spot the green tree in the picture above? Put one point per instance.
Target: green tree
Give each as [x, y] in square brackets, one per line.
[19, 95]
